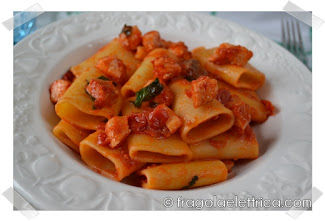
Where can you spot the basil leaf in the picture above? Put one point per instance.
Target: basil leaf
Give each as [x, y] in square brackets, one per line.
[106, 79]
[191, 183]
[148, 93]
[127, 30]
[103, 78]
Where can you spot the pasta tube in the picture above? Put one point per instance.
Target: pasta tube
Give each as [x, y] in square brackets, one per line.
[184, 175]
[240, 77]
[112, 48]
[112, 163]
[146, 148]
[232, 145]
[144, 73]
[77, 107]
[257, 109]
[200, 123]
[70, 135]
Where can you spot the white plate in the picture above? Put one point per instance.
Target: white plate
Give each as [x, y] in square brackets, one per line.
[51, 177]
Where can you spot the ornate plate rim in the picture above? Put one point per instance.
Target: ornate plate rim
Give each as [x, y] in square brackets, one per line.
[56, 40]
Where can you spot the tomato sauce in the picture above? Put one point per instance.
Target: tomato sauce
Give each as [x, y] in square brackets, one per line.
[102, 138]
[104, 92]
[152, 40]
[231, 54]
[165, 97]
[166, 68]
[151, 122]
[219, 144]
[113, 68]
[270, 109]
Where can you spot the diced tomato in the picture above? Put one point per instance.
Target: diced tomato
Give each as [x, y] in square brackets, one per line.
[138, 122]
[104, 92]
[130, 37]
[180, 50]
[113, 68]
[204, 90]
[166, 68]
[231, 54]
[57, 89]
[158, 117]
[117, 130]
[151, 40]
[151, 122]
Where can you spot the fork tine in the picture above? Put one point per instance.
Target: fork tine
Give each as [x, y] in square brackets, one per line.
[294, 41]
[283, 37]
[289, 37]
[301, 47]
[300, 38]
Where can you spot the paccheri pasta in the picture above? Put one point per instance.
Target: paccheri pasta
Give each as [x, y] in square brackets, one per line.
[172, 118]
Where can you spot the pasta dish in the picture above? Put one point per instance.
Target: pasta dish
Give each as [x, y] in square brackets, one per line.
[150, 109]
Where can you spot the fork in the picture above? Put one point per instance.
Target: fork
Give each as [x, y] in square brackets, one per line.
[292, 40]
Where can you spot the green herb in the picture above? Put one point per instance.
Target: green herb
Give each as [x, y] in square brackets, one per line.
[93, 107]
[148, 93]
[127, 30]
[103, 78]
[91, 97]
[191, 183]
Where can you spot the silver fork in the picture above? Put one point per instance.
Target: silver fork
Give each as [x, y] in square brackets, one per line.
[292, 40]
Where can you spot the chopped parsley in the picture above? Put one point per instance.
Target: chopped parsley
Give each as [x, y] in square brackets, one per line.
[192, 182]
